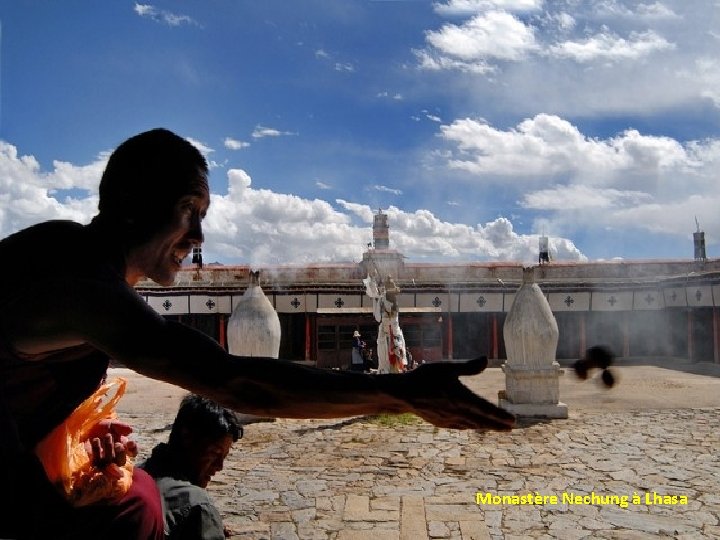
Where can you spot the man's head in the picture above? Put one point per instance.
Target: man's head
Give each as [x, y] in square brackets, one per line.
[154, 192]
[201, 437]
[147, 174]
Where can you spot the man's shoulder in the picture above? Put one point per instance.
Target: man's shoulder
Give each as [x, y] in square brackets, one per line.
[50, 226]
[43, 245]
[46, 228]
[49, 235]
[66, 248]
[181, 492]
[188, 509]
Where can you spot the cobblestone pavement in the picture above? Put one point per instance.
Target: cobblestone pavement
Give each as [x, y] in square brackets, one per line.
[356, 479]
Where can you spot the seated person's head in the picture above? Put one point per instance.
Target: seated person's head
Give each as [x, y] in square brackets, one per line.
[201, 437]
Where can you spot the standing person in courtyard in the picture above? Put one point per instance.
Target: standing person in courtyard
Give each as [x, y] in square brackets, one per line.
[200, 440]
[357, 360]
[68, 304]
[391, 350]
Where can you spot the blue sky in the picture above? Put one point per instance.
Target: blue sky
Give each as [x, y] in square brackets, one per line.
[475, 124]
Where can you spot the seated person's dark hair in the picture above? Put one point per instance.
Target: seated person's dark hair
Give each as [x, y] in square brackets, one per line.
[204, 419]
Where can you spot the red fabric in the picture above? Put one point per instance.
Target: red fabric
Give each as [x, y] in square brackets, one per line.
[221, 338]
[139, 514]
[392, 357]
[38, 512]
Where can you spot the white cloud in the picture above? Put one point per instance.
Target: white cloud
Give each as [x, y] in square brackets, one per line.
[630, 180]
[233, 144]
[579, 197]
[344, 66]
[26, 193]
[432, 61]
[386, 189]
[576, 58]
[655, 10]
[564, 21]
[322, 185]
[397, 96]
[261, 131]
[495, 34]
[260, 226]
[547, 146]
[268, 227]
[707, 75]
[607, 46]
[205, 150]
[68, 176]
[163, 16]
[674, 217]
[469, 7]
[337, 65]
[424, 235]
[362, 211]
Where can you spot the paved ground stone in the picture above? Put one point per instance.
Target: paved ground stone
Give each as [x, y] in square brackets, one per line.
[413, 523]
[358, 480]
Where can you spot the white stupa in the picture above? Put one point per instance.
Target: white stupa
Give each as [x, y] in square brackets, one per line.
[254, 326]
[532, 386]
[254, 330]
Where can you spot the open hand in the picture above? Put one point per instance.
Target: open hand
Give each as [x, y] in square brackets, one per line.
[108, 443]
[437, 395]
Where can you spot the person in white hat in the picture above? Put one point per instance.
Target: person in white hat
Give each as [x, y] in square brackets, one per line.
[357, 363]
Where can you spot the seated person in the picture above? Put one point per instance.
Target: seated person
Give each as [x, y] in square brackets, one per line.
[199, 442]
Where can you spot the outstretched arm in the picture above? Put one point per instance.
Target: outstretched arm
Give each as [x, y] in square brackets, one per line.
[278, 388]
[117, 321]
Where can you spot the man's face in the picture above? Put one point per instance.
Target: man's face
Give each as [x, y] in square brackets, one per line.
[206, 458]
[160, 258]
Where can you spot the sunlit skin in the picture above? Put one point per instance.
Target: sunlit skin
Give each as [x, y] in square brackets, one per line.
[108, 442]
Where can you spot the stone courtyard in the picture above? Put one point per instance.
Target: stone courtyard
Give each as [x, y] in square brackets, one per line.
[638, 461]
